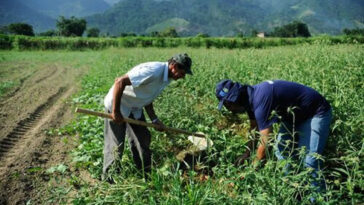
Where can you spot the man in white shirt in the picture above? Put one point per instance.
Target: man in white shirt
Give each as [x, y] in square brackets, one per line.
[127, 97]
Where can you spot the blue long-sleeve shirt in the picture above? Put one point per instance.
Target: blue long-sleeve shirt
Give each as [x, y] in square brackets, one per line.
[278, 96]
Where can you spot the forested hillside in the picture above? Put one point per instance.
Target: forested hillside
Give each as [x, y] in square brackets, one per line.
[189, 17]
[78, 8]
[42, 14]
[12, 11]
[228, 17]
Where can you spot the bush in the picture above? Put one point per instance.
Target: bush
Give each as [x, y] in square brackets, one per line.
[159, 42]
[127, 42]
[5, 42]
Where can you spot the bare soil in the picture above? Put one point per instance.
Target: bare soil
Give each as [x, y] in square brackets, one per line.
[38, 104]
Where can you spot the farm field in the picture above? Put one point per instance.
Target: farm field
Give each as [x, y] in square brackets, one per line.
[50, 155]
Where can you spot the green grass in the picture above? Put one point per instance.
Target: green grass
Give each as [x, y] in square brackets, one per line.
[5, 86]
[335, 71]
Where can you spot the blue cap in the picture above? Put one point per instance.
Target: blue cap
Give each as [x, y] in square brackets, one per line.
[227, 90]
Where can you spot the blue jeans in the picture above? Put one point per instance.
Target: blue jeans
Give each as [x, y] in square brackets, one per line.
[311, 134]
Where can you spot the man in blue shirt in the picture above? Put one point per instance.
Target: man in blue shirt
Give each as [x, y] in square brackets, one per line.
[305, 117]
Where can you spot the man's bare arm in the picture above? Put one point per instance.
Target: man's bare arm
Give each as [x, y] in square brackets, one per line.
[264, 134]
[253, 127]
[119, 87]
[250, 144]
[150, 111]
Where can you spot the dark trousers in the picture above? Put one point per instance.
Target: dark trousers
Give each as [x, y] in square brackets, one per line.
[139, 140]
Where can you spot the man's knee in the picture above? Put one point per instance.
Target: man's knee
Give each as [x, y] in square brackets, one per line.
[313, 160]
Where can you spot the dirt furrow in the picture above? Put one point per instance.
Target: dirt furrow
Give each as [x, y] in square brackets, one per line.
[40, 103]
[34, 91]
[30, 149]
[24, 125]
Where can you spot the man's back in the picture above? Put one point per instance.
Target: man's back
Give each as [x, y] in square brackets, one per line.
[279, 95]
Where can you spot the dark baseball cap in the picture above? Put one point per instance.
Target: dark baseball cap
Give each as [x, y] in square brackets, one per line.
[184, 60]
[227, 90]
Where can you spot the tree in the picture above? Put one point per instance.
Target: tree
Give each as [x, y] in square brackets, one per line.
[169, 32]
[93, 32]
[21, 29]
[302, 29]
[294, 29]
[71, 27]
[48, 33]
[254, 33]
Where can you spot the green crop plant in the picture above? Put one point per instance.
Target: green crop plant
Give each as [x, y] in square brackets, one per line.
[336, 71]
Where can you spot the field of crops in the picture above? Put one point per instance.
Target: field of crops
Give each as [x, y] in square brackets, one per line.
[336, 71]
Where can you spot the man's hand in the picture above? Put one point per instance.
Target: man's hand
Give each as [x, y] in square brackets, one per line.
[150, 110]
[256, 163]
[159, 123]
[117, 117]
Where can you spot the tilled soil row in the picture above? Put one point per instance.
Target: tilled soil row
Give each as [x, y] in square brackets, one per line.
[13, 92]
[23, 172]
[34, 90]
[24, 125]
[39, 103]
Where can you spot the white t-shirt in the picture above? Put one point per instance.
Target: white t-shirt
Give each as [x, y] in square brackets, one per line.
[148, 80]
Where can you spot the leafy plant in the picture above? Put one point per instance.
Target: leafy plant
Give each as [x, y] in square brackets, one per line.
[335, 70]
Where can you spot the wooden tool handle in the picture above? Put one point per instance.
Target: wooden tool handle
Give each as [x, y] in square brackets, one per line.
[138, 122]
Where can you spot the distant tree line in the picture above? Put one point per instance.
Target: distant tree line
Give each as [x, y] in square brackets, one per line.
[65, 27]
[291, 30]
[79, 43]
[356, 31]
[77, 26]
[300, 29]
[294, 29]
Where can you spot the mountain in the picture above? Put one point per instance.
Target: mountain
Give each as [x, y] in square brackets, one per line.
[42, 14]
[324, 16]
[112, 2]
[189, 17]
[67, 8]
[13, 11]
[228, 17]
